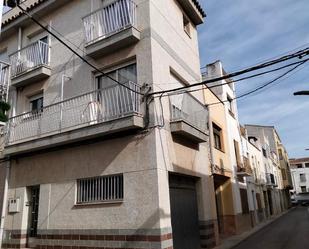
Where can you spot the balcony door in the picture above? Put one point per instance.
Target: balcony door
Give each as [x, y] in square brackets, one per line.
[114, 100]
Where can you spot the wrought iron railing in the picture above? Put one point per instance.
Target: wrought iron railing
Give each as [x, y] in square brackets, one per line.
[88, 109]
[29, 57]
[4, 80]
[184, 107]
[245, 167]
[109, 20]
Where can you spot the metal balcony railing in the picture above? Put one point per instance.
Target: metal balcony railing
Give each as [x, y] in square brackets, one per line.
[184, 107]
[109, 20]
[88, 109]
[245, 168]
[29, 57]
[4, 80]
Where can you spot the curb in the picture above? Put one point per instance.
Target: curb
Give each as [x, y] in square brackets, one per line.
[235, 240]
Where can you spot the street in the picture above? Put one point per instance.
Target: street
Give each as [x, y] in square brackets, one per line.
[291, 231]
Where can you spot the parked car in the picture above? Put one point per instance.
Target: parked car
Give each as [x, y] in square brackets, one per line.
[294, 202]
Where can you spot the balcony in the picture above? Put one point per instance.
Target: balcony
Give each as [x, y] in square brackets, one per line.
[111, 28]
[245, 169]
[97, 113]
[270, 180]
[4, 80]
[189, 117]
[30, 64]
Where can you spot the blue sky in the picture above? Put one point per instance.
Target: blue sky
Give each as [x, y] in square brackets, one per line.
[242, 33]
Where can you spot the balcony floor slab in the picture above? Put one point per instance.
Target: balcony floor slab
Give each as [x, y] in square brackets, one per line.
[113, 42]
[86, 133]
[184, 129]
[32, 75]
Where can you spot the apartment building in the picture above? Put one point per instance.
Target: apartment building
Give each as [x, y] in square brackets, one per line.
[250, 175]
[98, 164]
[300, 175]
[274, 166]
[221, 167]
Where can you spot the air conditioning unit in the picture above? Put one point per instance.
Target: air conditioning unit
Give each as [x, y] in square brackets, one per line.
[14, 205]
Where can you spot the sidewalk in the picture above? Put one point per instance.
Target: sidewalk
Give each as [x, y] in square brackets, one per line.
[235, 240]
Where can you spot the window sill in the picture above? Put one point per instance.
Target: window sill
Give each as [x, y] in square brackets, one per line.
[220, 150]
[77, 205]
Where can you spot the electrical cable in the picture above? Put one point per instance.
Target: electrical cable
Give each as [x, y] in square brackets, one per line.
[244, 78]
[72, 50]
[262, 86]
[298, 54]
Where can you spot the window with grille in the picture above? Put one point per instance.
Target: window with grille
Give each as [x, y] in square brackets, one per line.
[100, 189]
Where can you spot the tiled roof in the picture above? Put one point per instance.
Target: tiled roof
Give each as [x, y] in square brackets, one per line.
[299, 160]
[19, 13]
[199, 7]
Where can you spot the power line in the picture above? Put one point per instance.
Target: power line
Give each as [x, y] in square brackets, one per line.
[276, 56]
[244, 78]
[262, 86]
[72, 50]
[298, 54]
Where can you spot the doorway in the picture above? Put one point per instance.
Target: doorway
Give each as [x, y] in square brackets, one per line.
[34, 194]
[184, 212]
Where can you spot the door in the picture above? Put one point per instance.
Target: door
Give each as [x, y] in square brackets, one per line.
[184, 212]
[34, 210]
[270, 202]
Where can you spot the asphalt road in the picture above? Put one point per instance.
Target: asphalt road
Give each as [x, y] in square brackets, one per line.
[291, 231]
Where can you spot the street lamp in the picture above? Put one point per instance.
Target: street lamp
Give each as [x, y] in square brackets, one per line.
[301, 93]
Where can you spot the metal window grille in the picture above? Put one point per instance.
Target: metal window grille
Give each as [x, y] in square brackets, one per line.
[100, 189]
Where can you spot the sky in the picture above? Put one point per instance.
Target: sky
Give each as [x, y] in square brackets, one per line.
[242, 33]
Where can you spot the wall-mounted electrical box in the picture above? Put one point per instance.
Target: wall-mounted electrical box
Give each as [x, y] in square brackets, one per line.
[14, 205]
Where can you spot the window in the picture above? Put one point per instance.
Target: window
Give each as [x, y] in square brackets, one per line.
[123, 75]
[36, 103]
[299, 166]
[303, 189]
[114, 99]
[100, 189]
[302, 177]
[186, 25]
[307, 165]
[264, 153]
[283, 171]
[237, 154]
[217, 132]
[230, 104]
[280, 154]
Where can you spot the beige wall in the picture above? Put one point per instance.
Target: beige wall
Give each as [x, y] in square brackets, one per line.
[144, 159]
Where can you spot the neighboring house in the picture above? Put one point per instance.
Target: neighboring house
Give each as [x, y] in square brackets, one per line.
[257, 194]
[300, 175]
[95, 164]
[246, 168]
[235, 216]
[278, 188]
[221, 167]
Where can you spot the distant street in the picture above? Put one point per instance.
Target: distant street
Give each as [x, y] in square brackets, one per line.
[291, 231]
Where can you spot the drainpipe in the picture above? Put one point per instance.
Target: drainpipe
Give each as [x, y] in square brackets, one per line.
[5, 195]
[210, 145]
